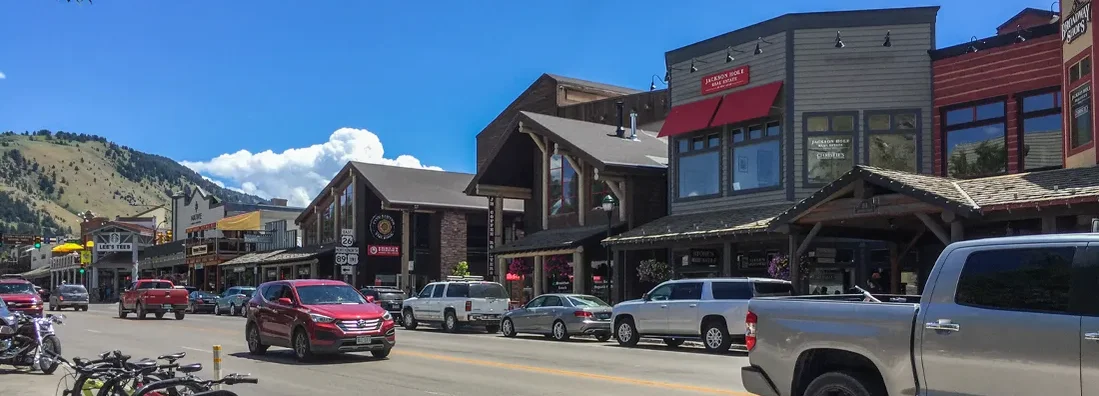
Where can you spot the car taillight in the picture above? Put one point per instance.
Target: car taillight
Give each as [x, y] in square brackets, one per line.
[61, 298]
[582, 314]
[750, 330]
[469, 306]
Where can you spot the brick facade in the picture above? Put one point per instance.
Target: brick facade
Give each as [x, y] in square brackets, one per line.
[452, 241]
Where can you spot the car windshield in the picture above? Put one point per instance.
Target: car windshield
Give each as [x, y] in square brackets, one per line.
[4, 313]
[388, 295]
[72, 289]
[483, 290]
[204, 295]
[16, 288]
[587, 301]
[329, 294]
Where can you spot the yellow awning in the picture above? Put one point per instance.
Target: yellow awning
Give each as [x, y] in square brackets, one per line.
[243, 222]
[67, 248]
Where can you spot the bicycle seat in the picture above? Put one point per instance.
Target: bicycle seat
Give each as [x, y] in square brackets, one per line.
[145, 364]
[80, 361]
[191, 368]
[173, 357]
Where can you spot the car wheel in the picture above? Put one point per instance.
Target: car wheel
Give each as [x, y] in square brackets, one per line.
[159, 315]
[84, 308]
[492, 329]
[121, 312]
[180, 315]
[603, 337]
[141, 311]
[673, 342]
[232, 310]
[255, 347]
[381, 353]
[217, 309]
[845, 383]
[626, 333]
[560, 332]
[303, 350]
[508, 328]
[191, 307]
[409, 321]
[450, 322]
[715, 337]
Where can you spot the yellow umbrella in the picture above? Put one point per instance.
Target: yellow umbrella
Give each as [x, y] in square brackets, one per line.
[67, 248]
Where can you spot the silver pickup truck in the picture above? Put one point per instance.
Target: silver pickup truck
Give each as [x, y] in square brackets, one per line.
[999, 316]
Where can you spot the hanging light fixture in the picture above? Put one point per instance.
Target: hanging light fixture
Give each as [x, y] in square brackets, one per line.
[888, 42]
[759, 49]
[693, 68]
[1057, 13]
[972, 45]
[839, 41]
[1019, 34]
[653, 80]
[729, 54]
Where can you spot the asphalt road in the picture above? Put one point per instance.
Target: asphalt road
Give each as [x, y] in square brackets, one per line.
[425, 362]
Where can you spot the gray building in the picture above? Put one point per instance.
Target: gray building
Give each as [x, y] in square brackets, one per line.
[766, 115]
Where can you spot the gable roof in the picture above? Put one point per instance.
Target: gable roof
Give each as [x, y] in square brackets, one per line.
[599, 143]
[593, 85]
[1047, 14]
[396, 185]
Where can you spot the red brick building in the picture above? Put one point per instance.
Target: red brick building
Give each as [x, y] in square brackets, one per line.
[998, 101]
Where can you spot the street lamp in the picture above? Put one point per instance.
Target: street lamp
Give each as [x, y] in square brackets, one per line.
[608, 204]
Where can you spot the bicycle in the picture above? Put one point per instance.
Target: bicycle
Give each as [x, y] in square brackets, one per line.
[205, 387]
[92, 376]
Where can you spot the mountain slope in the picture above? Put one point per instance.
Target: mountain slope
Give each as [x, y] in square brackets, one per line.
[47, 178]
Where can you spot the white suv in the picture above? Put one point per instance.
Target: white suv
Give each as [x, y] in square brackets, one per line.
[468, 301]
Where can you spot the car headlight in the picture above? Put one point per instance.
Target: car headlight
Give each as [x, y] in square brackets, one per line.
[318, 318]
[386, 316]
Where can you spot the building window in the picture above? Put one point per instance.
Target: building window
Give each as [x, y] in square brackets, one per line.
[698, 166]
[327, 232]
[1042, 141]
[347, 200]
[829, 146]
[975, 140]
[1080, 118]
[563, 188]
[892, 138]
[1079, 70]
[309, 229]
[756, 157]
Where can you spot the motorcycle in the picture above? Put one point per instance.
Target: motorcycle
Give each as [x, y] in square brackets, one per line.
[29, 341]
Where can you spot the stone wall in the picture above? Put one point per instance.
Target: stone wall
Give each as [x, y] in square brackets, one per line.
[452, 241]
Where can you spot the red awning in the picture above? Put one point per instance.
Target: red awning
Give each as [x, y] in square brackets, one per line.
[748, 104]
[689, 117]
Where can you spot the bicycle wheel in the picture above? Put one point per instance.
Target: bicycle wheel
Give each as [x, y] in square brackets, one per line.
[88, 384]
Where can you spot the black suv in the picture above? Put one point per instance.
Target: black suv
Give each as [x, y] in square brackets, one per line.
[388, 297]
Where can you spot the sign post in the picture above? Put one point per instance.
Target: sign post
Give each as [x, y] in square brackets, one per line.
[347, 256]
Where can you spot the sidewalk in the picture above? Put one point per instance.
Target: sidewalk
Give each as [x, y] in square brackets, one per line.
[22, 383]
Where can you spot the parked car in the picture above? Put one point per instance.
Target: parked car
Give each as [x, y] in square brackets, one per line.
[69, 296]
[999, 316]
[201, 301]
[156, 296]
[20, 296]
[460, 301]
[560, 316]
[43, 293]
[390, 298]
[710, 310]
[233, 300]
[313, 316]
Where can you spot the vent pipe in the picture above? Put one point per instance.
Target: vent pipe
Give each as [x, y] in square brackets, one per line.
[620, 131]
[633, 124]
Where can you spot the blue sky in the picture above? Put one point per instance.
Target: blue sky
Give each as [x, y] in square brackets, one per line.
[194, 80]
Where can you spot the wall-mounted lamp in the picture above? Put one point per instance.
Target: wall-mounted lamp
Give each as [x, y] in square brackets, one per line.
[1019, 34]
[1055, 8]
[839, 41]
[972, 45]
[693, 68]
[759, 50]
[888, 42]
[652, 82]
[729, 54]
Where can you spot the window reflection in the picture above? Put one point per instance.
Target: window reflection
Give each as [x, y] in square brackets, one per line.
[893, 151]
[1042, 142]
[977, 151]
[699, 174]
[756, 165]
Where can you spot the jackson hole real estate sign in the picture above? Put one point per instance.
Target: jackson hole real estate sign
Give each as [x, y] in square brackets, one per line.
[728, 79]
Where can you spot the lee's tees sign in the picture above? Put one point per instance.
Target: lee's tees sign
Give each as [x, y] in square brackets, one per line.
[728, 79]
[1076, 23]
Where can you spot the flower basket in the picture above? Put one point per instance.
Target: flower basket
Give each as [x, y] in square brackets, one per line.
[779, 267]
[557, 267]
[653, 271]
[519, 267]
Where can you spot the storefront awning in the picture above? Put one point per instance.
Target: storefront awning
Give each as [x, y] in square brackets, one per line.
[243, 222]
[40, 272]
[747, 104]
[551, 242]
[689, 117]
[700, 225]
[251, 258]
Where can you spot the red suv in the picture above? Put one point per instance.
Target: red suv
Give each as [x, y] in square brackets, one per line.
[20, 296]
[313, 316]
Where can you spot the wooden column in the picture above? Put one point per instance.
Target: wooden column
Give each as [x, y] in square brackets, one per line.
[406, 282]
[579, 272]
[894, 269]
[1049, 224]
[957, 231]
[583, 188]
[727, 259]
[498, 237]
[544, 203]
[795, 264]
[538, 281]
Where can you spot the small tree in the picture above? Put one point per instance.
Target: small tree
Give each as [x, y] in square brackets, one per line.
[462, 269]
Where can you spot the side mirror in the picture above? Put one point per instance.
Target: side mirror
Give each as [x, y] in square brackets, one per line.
[285, 301]
[370, 299]
[645, 296]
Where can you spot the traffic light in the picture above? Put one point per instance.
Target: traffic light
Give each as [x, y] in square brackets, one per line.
[168, 236]
[82, 265]
[37, 242]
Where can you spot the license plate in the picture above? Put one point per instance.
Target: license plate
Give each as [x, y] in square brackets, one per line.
[167, 307]
[362, 340]
[604, 316]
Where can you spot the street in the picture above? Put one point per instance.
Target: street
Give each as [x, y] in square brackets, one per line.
[425, 362]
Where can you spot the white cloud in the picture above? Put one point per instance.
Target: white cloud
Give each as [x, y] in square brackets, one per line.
[2, 76]
[297, 174]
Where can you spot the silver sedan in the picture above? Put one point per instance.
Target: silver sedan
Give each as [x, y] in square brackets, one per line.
[560, 316]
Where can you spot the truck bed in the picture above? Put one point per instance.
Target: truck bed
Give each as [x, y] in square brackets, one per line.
[792, 330]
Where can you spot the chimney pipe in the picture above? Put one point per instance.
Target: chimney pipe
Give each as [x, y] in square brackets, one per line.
[620, 132]
[633, 124]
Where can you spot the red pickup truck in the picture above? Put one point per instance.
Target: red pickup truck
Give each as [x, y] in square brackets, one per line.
[156, 296]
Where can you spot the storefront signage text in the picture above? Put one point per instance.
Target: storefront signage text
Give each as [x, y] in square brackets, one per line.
[1076, 24]
[728, 79]
[1081, 109]
[199, 250]
[491, 236]
[114, 244]
[703, 257]
[381, 226]
[383, 250]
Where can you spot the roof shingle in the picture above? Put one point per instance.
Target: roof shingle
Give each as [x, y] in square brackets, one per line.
[413, 186]
[601, 143]
[558, 238]
[701, 225]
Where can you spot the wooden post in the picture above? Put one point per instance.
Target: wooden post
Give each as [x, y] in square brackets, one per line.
[1049, 224]
[727, 259]
[538, 281]
[579, 273]
[406, 239]
[894, 269]
[795, 265]
[957, 231]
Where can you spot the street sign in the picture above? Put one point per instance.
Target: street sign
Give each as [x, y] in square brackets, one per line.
[347, 270]
[341, 259]
[19, 239]
[85, 257]
[353, 259]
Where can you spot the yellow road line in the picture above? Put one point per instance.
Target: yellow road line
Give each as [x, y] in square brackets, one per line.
[574, 374]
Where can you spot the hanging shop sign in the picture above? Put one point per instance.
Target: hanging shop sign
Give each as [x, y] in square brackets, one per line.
[706, 257]
[1076, 24]
[381, 226]
[114, 244]
[383, 250]
[729, 79]
[199, 250]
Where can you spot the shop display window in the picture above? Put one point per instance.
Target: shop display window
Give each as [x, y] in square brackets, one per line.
[892, 139]
[975, 144]
[699, 165]
[1080, 117]
[347, 200]
[328, 233]
[564, 186]
[829, 146]
[756, 157]
[1042, 140]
